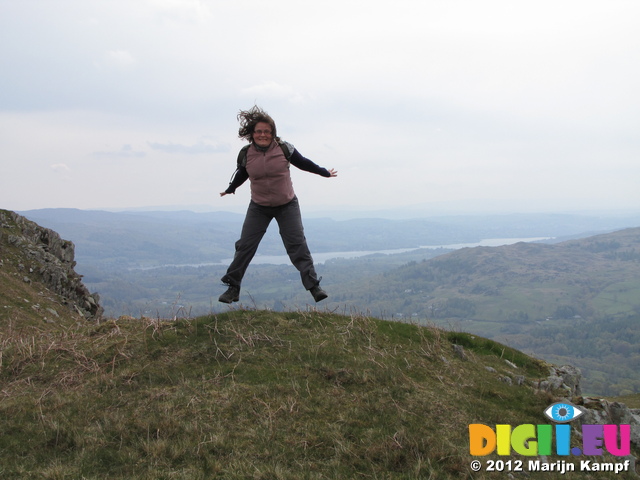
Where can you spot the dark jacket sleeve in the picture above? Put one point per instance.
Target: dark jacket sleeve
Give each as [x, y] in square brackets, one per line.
[239, 177]
[307, 165]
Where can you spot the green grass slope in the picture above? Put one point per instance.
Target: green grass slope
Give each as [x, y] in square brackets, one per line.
[253, 394]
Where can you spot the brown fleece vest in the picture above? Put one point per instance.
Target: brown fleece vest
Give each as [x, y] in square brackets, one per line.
[268, 171]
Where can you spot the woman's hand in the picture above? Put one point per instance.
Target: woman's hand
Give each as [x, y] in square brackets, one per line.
[222, 194]
[334, 173]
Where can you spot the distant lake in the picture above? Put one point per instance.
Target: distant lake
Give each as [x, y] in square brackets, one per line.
[321, 257]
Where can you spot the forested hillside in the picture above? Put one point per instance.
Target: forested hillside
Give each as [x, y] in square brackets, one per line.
[576, 301]
[518, 284]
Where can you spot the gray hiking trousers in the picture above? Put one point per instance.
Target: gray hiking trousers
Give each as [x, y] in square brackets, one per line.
[292, 232]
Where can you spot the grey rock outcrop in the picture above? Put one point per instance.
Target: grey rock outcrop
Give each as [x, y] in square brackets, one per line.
[564, 382]
[49, 259]
[565, 378]
[602, 412]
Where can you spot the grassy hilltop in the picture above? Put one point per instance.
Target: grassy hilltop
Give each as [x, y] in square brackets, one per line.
[253, 394]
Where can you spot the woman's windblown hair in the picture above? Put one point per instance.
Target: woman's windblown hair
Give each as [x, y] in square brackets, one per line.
[248, 120]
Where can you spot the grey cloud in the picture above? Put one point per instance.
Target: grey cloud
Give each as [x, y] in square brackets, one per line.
[197, 149]
[125, 152]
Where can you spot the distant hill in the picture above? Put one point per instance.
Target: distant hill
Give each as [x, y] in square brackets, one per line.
[576, 301]
[117, 241]
[526, 282]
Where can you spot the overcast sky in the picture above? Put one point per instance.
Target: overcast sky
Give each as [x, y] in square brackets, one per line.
[466, 104]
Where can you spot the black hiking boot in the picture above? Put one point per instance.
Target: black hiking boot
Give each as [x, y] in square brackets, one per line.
[231, 295]
[318, 293]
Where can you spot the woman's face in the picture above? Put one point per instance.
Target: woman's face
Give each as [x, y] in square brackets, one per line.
[262, 134]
